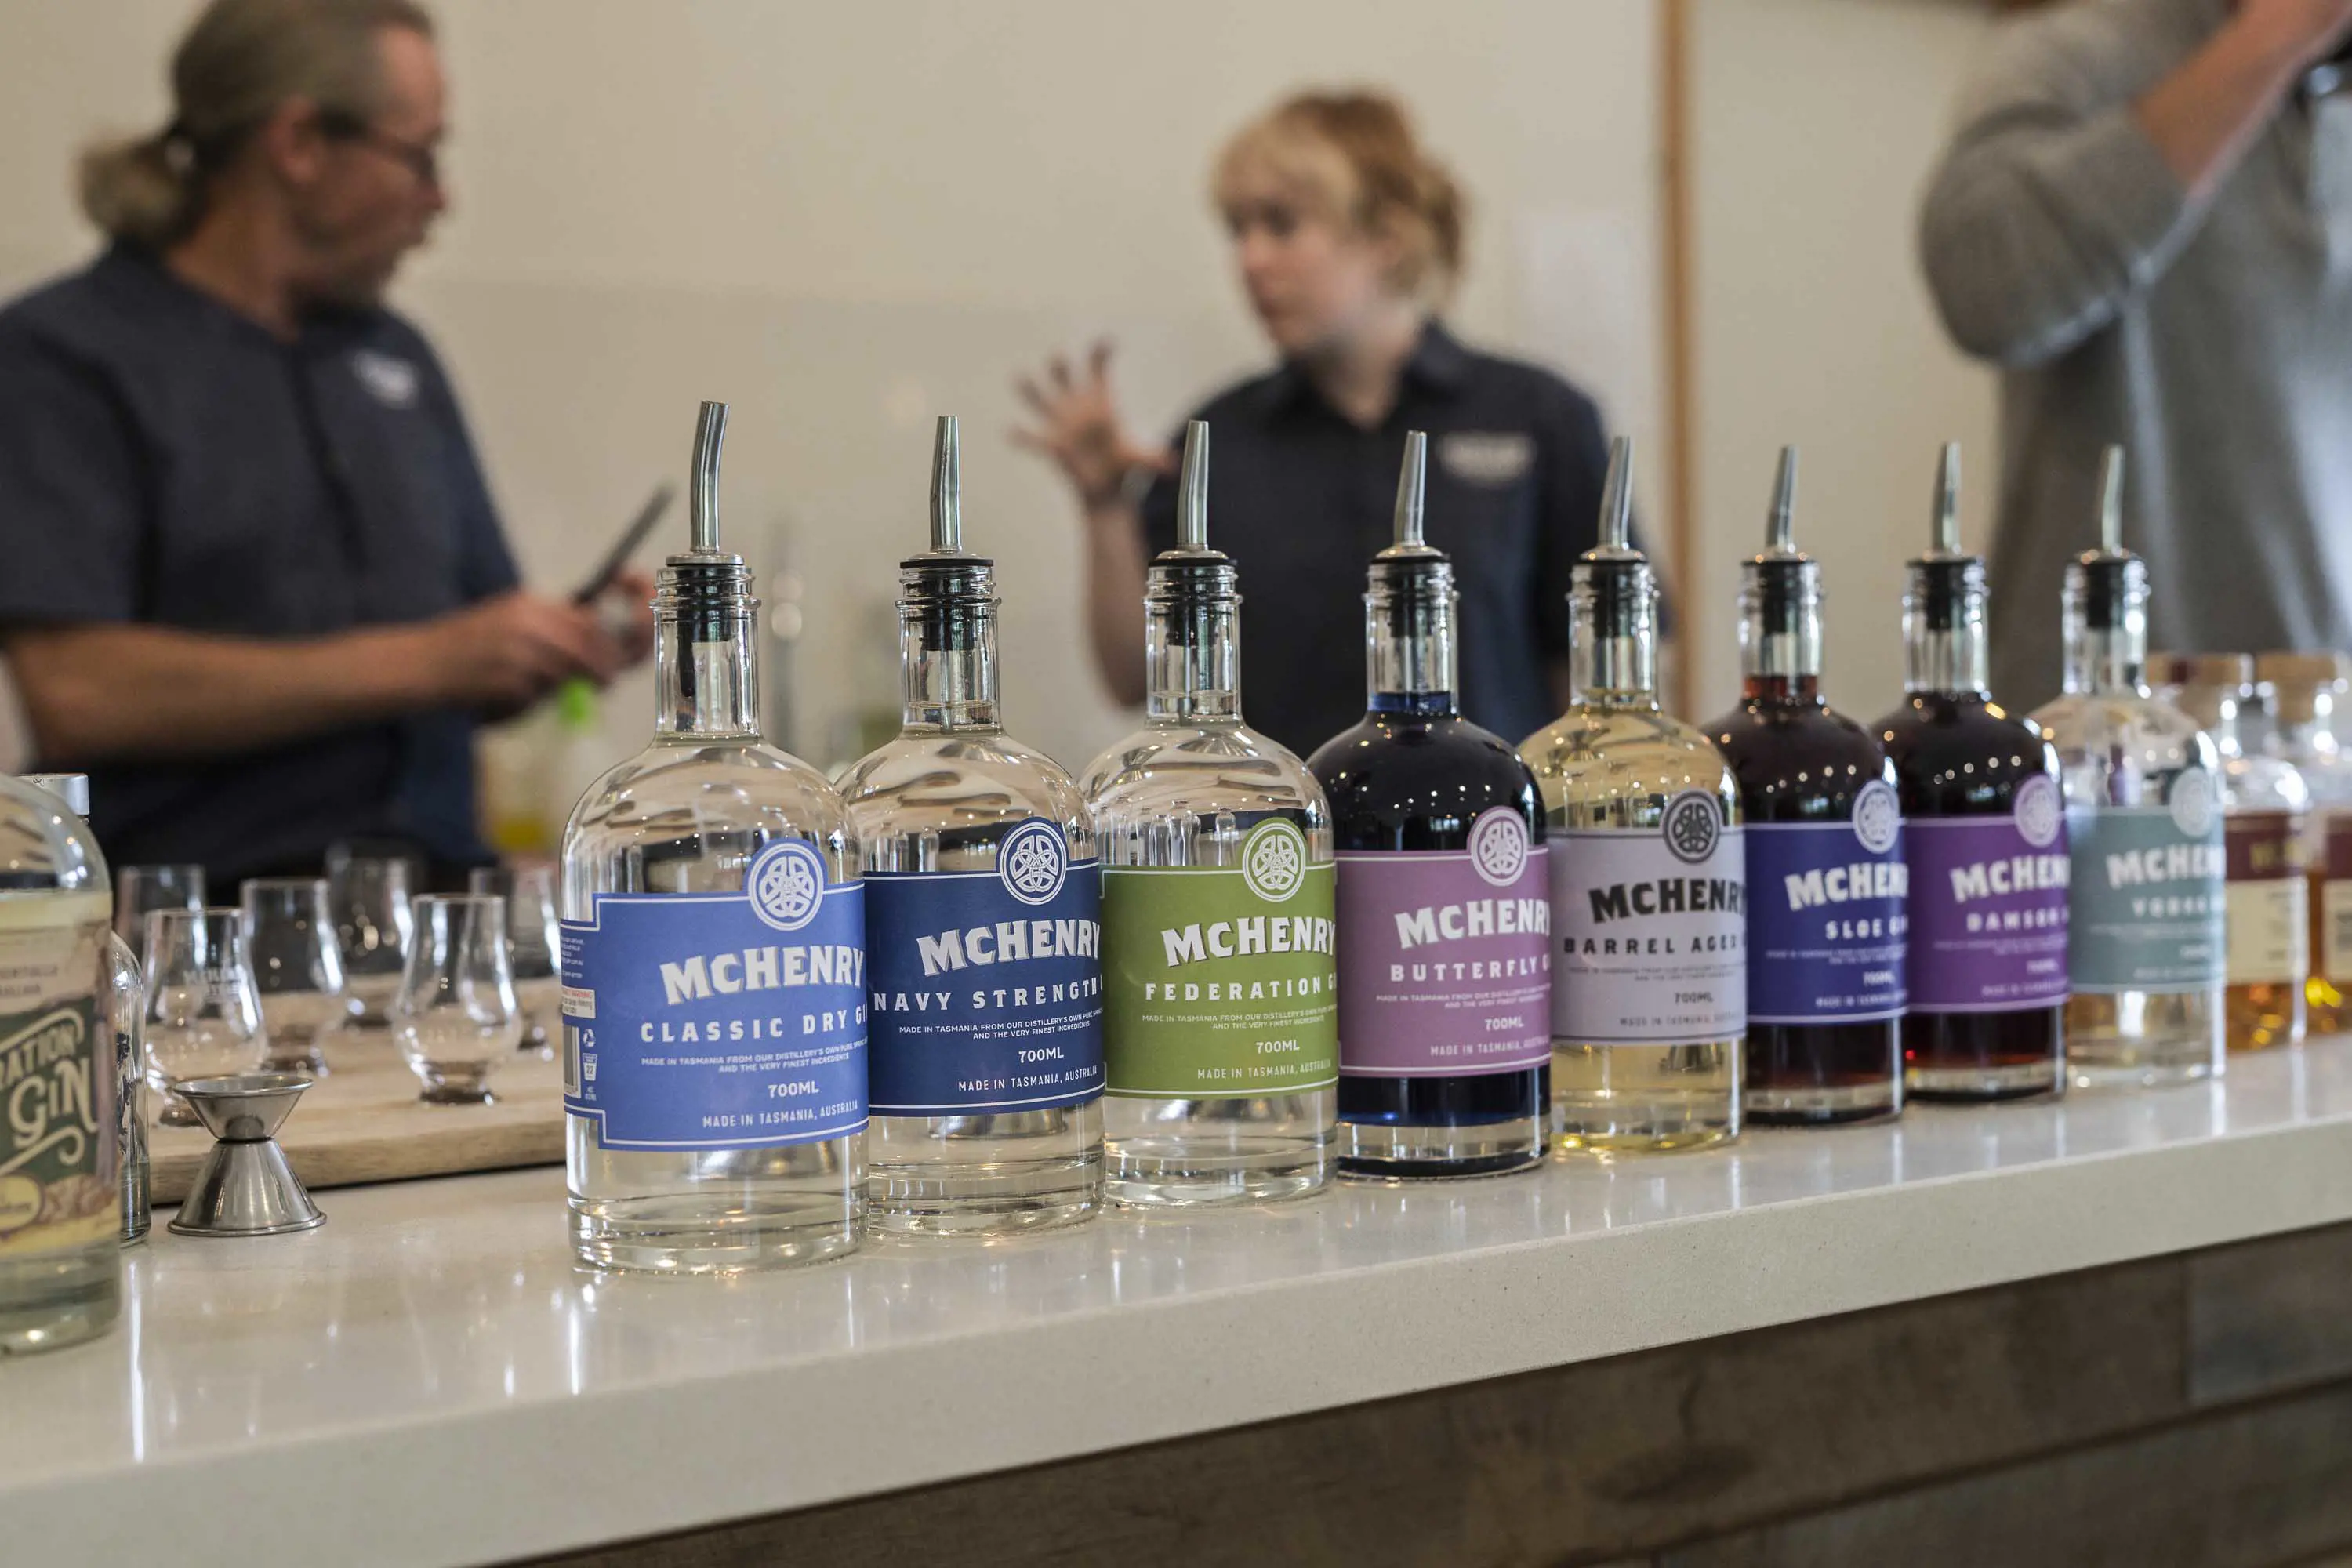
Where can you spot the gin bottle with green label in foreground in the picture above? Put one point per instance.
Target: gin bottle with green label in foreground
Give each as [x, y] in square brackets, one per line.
[714, 962]
[1220, 976]
[2144, 830]
[982, 930]
[1649, 923]
[60, 1259]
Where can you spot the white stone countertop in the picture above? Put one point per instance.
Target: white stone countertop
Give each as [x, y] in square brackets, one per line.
[426, 1379]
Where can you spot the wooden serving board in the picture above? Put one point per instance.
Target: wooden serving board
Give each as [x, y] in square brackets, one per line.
[363, 1122]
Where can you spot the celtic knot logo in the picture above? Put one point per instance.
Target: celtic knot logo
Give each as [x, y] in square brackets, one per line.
[1498, 846]
[1877, 816]
[1274, 860]
[786, 884]
[2039, 811]
[2191, 799]
[1032, 862]
[1691, 825]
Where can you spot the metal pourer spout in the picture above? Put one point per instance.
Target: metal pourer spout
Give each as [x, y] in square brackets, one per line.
[1192, 491]
[946, 499]
[1781, 523]
[1947, 541]
[1412, 542]
[946, 491]
[1617, 508]
[2110, 503]
[709, 436]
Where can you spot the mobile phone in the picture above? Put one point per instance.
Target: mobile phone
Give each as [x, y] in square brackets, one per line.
[626, 546]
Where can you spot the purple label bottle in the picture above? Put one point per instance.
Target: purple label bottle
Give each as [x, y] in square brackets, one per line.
[1827, 884]
[1985, 829]
[1444, 917]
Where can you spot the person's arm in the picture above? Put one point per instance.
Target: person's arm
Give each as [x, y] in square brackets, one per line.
[1078, 429]
[2054, 205]
[95, 691]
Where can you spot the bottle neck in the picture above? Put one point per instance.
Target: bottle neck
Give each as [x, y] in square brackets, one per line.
[1780, 632]
[1191, 644]
[2105, 620]
[1409, 639]
[947, 648]
[1945, 647]
[1612, 639]
[705, 681]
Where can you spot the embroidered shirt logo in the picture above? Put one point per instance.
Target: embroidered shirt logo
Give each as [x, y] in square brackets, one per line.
[1491, 457]
[389, 381]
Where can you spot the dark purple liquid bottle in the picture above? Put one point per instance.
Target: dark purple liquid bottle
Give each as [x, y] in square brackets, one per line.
[1826, 879]
[1445, 918]
[1985, 829]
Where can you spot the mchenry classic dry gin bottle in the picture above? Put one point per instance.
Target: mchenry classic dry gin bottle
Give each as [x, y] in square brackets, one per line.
[61, 1256]
[714, 962]
[983, 929]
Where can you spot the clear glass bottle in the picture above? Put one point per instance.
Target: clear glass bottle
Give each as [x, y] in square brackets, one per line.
[60, 1249]
[983, 928]
[1827, 885]
[2306, 690]
[1984, 826]
[2266, 812]
[1647, 874]
[713, 962]
[2144, 834]
[1220, 977]
[1444, 917]
[124, 995]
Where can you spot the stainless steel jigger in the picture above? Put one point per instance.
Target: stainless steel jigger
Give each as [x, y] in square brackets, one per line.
[245, 1188]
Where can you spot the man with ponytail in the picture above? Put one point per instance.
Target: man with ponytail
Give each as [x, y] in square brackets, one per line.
[255, 584]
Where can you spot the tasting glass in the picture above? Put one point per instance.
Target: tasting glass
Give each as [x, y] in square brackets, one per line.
[298, 969]
[138, 889]
[202, 1015]
[453, 1014]
[532, 948]
[375, 925]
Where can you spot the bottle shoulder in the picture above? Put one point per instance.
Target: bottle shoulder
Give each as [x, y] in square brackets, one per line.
[2262, 783]
[1412, 783]
[2104, 733]
[1963, 755]
[957, 780]
[1200, 769]
[1799, 761]
[677, 792]
[1616, 767]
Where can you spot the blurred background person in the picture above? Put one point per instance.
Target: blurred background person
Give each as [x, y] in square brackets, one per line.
[1347, 237]
[257, 585]
[2145, 220]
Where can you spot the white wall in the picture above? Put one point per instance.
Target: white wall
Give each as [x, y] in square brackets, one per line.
[1815, 124]
[846, 218]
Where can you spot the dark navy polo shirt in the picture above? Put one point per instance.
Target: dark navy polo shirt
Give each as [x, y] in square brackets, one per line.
[1302, 498]
[166, 461]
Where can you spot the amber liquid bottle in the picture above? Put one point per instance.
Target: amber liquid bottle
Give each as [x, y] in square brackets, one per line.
[1984, 827]
[1826, 882]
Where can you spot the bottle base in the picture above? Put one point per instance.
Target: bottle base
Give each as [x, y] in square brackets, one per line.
[54, 1299]
[1818, 1106]
[1146, 1174]
[982, 1200]
[1612, 1128]
[2141, 1072]
[1978, 1085]
[1376, 1151]
[666, 1235]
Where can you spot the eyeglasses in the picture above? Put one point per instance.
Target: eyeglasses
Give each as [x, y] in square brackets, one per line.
[421, 159]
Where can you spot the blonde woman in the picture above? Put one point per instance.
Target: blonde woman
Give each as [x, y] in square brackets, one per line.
[1347, 238]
